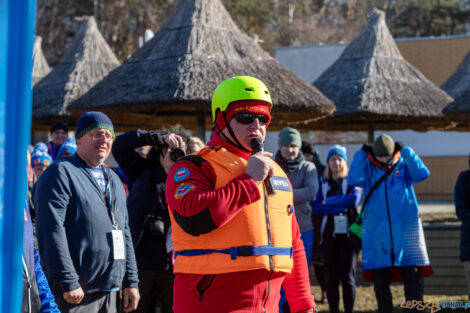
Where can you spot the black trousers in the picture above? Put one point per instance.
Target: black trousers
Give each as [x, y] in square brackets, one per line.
[340, 266]
[412, 282]
[152, 284]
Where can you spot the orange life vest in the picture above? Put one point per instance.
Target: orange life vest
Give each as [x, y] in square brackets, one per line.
[259, 236]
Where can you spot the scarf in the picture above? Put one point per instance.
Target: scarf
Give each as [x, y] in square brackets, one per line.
[289, 166]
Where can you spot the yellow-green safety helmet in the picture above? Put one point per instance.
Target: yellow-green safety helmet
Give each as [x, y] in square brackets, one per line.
[239, 88]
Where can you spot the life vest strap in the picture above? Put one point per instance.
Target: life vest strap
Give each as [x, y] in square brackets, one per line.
[240, 251]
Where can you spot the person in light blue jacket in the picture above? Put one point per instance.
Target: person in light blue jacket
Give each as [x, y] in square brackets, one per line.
[393, 242]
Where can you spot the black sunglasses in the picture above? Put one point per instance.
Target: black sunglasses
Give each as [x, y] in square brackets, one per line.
[248, 118]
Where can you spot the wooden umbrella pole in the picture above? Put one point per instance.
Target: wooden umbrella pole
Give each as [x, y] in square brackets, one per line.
[201, 124]
[370, 133]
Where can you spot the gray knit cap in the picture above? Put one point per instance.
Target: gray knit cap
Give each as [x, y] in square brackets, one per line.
[290, 136]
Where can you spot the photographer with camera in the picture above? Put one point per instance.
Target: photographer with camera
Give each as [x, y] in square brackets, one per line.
[146, 157]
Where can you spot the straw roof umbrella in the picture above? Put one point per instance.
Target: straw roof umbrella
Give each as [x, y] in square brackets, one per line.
[40, 66]
[459, 81]
[460, 107]
[87, 60]
[174, 74]
[459, 111]
[374, 87]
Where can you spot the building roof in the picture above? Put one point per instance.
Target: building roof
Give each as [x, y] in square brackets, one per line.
[40, 66]
[435, 57]
[371, 83]
[459, 82]
[177, 71]
[87, 60]
[459, 110]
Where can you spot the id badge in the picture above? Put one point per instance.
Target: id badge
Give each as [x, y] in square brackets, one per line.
[118, 244]
[341, 224]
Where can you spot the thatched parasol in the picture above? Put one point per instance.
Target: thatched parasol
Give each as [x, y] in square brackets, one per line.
[374, 87]
[459, 81]
[40, 66]
[459, 111]
[87, 60]
[176, 72]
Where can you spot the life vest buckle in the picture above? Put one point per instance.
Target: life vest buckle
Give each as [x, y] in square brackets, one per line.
[241, 251]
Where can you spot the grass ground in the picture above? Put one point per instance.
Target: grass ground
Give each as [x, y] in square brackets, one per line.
[447, 218]
[366, 303]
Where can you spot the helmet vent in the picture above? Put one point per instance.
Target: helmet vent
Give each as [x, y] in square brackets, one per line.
[249, 89]
[266, 92]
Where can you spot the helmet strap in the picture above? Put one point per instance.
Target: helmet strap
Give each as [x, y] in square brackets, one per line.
[232, 134]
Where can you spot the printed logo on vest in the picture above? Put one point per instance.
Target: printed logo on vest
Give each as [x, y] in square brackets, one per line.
[183, 189]
[181, 174]
[281, 183]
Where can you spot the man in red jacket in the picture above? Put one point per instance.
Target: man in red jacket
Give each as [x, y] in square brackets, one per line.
[235, 243]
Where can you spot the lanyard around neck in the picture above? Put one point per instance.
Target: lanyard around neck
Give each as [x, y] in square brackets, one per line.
[107, 197]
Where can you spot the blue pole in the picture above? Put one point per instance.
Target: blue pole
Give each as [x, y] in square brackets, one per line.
[17, 19]
[3, 74]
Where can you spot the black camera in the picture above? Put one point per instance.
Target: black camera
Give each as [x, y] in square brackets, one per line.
[155, 225]
[176, 154]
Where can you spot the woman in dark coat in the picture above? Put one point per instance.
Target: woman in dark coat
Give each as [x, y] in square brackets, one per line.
[337, 201]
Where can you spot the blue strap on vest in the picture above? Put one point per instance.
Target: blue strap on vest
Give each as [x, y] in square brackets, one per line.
[240, 251]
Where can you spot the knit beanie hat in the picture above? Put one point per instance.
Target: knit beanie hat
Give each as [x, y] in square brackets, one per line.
[40, 146]
[68, 147]
[383, 145]
[59, 125]
[40, 158]
[91, 120]
[290, 136]
[338, 150]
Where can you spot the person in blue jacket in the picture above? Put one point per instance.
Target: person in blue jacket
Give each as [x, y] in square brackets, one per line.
[337, 202]
[37, 296]
[393, 242]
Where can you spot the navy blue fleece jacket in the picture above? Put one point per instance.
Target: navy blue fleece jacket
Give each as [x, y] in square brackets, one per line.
[74, 229]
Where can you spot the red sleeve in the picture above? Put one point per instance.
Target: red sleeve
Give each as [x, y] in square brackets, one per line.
[297, 283]
[197, 207]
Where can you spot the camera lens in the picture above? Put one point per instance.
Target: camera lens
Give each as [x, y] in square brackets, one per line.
[157, 228]
[176, 154]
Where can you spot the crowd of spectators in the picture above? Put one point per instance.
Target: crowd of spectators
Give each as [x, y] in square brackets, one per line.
[106, 233]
